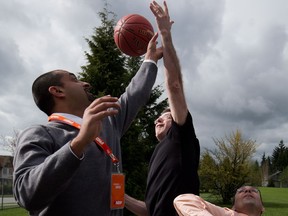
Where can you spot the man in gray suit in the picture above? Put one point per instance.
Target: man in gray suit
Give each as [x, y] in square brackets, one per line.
[58, 168]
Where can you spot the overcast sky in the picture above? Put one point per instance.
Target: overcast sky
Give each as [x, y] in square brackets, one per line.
[234, 57]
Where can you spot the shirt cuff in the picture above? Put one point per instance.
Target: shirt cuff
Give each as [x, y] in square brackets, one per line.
[150, 60]
[81, 158]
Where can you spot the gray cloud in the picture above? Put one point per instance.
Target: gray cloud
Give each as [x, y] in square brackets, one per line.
[233, 58]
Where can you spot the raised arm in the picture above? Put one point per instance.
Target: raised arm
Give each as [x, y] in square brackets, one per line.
[173, 76]
[190, 204]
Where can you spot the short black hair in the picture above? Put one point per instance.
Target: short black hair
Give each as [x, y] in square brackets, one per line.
[40, 90]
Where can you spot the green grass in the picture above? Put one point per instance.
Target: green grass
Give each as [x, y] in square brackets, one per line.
[13, 212]
[275, 200]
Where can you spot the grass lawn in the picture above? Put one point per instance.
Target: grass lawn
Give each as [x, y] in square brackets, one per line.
[275, 200]
[14, 212]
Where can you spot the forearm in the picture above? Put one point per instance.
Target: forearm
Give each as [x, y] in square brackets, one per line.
[37, 173]
[170, 58]
[174, 83]
[190, 204]
[136, 95]
[135, 206]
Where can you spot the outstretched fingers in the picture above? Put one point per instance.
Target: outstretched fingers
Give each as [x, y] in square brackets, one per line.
[166, 8]
[104, 106]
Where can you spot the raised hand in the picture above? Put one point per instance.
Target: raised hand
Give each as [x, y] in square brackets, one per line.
[92, 121]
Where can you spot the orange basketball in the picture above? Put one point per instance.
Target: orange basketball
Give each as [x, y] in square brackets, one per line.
[132, 34]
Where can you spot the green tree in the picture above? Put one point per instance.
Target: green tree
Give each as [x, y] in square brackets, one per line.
[207, 169]
[279, 157]
[284, 177]
[255, 177]
[105, 69]
[109, 72]
[232, 158]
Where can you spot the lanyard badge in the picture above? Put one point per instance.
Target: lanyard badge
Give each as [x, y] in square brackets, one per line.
[117, 179]
[117, 191]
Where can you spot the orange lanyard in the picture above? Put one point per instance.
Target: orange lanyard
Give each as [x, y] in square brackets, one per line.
[98, 140]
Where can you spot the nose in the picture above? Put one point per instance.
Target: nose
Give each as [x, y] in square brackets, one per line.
[251, 190]
[158, 120]
[87, 85]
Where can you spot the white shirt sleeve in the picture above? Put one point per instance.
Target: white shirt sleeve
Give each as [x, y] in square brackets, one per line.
[149, 60]
[193, 205]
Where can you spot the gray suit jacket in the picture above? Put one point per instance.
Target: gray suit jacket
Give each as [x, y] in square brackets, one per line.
[50, 180]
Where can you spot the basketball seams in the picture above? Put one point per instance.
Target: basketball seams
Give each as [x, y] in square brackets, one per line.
[136, 34]
[132, 34]
[130, 51]
[131, 47]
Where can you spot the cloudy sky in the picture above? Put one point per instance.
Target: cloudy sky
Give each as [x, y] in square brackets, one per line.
[234, 57]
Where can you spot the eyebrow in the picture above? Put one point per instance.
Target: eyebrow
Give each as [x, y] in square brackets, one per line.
[72, 75]
[165, 114]
[247, 188]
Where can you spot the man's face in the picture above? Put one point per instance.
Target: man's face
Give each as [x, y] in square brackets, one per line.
[248, 199]
[76, 91]
[162, 124]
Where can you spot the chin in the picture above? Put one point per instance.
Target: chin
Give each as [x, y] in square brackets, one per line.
[91, 98]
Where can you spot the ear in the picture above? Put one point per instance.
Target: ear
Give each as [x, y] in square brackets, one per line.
[56, 91]
[263, 210]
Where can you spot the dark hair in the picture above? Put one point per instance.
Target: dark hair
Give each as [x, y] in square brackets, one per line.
[40, 92]
[166, 110]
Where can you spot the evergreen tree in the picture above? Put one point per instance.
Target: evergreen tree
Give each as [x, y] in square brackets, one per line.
[105, 69]
[255, 177]
[284, 177]
[109, 72]
[279, 157]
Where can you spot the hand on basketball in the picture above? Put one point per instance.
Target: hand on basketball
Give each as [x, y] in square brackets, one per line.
[162, 17]
[153, 52]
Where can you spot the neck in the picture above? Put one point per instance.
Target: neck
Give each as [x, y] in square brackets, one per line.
[250, 212]
[78, 113]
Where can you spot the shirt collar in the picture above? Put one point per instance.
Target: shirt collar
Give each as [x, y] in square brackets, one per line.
[71, 117]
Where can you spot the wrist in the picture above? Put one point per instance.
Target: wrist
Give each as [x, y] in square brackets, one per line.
[77, 147]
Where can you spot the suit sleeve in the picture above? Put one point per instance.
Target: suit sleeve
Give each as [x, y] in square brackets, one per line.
[41, 168]
[136, 95]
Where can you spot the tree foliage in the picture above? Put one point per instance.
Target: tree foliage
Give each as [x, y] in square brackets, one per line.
[109, 72]
[284, 176]
[227, 167]
[207, 172]
[255, 175]
[279, 157]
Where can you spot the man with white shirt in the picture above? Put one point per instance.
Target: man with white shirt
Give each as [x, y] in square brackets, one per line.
[247, 202]
[58, 167]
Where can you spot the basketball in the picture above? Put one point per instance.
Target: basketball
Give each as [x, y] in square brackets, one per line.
[132, 34]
